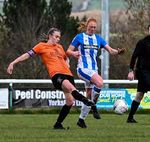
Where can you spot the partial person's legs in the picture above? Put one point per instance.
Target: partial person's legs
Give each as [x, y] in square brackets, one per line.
[84, 110]
[90, 77]
[95, 95]
[134, 106]
[64, 111]
[98, 82]
[68, 87]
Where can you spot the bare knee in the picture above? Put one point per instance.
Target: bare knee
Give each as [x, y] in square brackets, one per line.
[97, 80]
[69, 100]
[67, 86]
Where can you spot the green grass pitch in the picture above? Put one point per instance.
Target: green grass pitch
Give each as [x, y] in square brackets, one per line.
[39, 128]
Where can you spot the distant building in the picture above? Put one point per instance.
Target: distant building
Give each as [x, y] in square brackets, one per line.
[85, 5]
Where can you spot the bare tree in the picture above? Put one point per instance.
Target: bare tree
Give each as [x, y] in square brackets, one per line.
[138, 11]
[127, 27]
[26, 21]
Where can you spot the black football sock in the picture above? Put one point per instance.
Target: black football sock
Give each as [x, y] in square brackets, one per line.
[63, 113]
[133, 109]
[79, 97]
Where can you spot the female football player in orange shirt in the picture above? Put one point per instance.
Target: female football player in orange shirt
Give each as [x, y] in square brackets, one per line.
[54, 58]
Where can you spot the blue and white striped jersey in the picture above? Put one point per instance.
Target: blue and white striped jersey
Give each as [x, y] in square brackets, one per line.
[88, 47]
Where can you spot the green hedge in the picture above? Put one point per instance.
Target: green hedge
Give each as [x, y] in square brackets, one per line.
[56, 110]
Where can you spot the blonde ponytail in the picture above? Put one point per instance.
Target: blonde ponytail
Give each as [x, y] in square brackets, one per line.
[82, 27]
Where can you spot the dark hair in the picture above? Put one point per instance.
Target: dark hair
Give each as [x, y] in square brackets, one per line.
[44, 37]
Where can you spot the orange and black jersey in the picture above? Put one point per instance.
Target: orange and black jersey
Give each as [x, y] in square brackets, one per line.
[54, 58]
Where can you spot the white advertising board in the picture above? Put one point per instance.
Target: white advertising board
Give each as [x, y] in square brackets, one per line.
[4, 98]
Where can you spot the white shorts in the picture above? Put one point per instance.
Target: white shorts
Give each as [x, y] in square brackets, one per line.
[86, 75]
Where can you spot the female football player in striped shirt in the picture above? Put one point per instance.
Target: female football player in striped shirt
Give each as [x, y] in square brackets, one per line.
[84, 47]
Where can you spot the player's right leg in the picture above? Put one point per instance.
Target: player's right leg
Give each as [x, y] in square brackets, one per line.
[97, 80]
[95, 96]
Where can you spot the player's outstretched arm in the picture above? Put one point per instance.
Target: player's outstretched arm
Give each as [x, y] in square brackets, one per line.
[19, 59]
[113, 51]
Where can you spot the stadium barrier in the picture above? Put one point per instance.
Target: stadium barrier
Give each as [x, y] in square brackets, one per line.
[11, 81]
[42, 81]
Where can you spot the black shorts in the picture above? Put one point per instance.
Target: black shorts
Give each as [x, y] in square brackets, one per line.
[143, 77]
[59, 78]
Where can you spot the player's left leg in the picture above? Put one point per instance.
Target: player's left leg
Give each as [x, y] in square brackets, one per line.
[64, 111]
[134, 106]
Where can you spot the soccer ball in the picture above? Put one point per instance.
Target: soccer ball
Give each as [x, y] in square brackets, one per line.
[120, 106]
